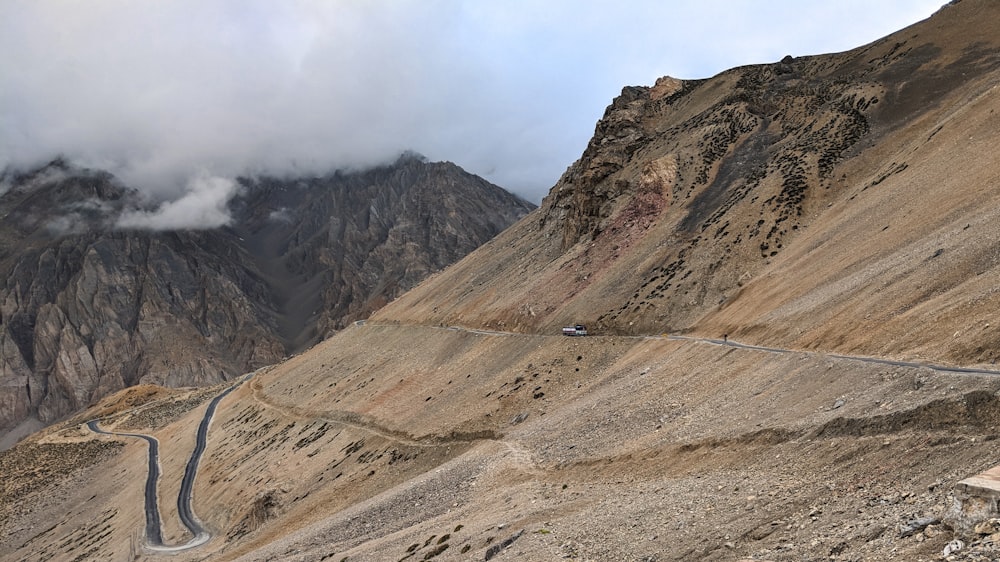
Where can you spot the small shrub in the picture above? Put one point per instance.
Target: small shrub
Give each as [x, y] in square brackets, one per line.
[436, 551]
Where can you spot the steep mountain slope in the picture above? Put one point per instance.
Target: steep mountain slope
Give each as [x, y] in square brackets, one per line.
[89, 309]
[409, 438]
[763, 201]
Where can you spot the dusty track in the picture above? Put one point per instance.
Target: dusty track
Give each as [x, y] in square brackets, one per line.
[860, 358]
[356, 421]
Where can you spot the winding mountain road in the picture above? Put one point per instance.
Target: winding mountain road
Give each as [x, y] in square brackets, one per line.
[154, 535]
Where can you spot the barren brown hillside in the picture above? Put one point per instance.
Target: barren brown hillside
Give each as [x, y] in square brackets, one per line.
[601, 448]
[841, 202]
[836, 211]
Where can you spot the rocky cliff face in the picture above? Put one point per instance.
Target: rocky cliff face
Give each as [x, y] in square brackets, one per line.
[86, 309]
[363, 239]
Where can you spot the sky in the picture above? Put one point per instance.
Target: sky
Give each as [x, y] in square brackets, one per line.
[179, 97]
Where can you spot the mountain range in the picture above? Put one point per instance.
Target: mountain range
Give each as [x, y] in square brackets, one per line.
[91, 307]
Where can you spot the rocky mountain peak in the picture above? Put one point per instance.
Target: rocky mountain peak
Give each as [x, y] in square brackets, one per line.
[665, 86]
[691, 189]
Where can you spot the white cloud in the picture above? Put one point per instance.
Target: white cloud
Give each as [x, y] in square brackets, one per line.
[202, 206]
[508, 89]
[280, 215]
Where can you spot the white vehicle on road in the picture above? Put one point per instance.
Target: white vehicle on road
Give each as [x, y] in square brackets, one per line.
[577, 330]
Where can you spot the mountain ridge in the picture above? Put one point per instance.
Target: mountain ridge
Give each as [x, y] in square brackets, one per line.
[718, 179]
[90, 307]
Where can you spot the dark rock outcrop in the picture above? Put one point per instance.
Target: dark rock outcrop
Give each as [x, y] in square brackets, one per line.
[362, 239]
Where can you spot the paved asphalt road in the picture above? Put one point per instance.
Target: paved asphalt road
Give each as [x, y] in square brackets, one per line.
[184, 509]
[153, 535]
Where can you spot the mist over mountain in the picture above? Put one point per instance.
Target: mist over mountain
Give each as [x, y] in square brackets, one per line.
[101, 291]
[165, 96]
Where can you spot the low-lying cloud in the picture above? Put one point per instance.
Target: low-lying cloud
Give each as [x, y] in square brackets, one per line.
[511, 90]
[203, 205]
